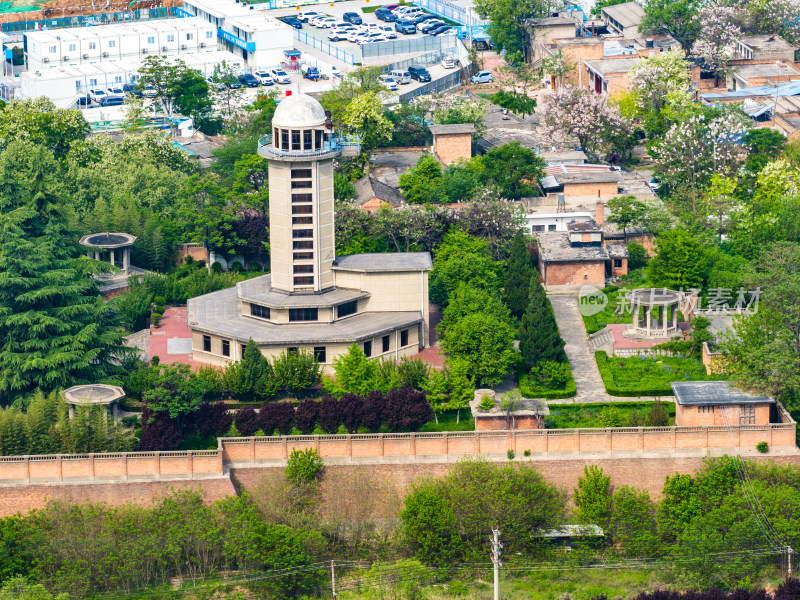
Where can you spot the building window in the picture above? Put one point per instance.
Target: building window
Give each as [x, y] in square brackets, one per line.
[53, 49]
[301, 185]
[302, 209]
[385, 343]
[92, 45]
[189, 36]
[302, 245]
[151, 39]
[320, 355]
[112, 43]
[209, 35]
[301, 173]
[368, 348]
[302, 233]
[617, 263]
[226, 348]
[747, 414]
[706, 410]
[551, 228]
[93, 82]
[206, 343]
[304, 256]
[302, 221]
[348, 308]
[73, 48]
[170, 38]
[302, 314]
[535, 228]
[404, 338]
[257, 310]
[295, 141]
[292, 350]
[284, 139]
[118, 79]
[301, 197]
[304, 268]
[307, 140]
[304, 280]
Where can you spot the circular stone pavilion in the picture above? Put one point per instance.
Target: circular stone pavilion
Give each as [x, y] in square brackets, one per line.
[113, 248]
[96, 394]
[655, 313]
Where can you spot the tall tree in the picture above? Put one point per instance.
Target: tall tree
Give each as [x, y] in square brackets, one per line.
[679, 262]
[673, 17]
[508, 21]
[515, 170]
[424, 184]
[519, 271]
[539, 339]
[54, 329]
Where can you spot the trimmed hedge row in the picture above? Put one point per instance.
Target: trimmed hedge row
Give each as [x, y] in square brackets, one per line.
[530, 391]
[611, 388]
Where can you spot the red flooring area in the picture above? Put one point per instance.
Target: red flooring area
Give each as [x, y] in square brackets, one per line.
[173, 326]
[626, 343]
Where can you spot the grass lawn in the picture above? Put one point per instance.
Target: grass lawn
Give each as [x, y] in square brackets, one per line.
[609, 315]
[601, 414]
[447, 422]
[647, 375]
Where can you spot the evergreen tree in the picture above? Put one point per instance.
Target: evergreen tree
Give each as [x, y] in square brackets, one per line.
[539, 337]
[254, 379]
[518, 276]
[54, 328]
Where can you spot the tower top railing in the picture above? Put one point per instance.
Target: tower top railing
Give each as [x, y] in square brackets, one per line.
[349, 145]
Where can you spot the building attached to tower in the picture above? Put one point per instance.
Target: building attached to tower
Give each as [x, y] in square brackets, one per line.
[311, 300]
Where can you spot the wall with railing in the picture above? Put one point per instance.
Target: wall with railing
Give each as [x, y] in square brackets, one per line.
[452, 11]
[37, 22]
[436, 86]
[326, 47]
[416, 45]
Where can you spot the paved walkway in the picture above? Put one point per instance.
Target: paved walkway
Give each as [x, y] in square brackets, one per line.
[581, 358]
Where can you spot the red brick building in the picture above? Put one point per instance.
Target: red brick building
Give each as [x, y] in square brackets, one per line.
[699, 403]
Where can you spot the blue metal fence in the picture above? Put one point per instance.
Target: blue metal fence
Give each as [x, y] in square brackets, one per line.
[451, 11]
[88, 20]
[322, 45]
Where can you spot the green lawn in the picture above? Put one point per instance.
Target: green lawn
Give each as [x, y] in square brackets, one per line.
[601, 414]
[447, 422]
[647, 375]
[610, 315]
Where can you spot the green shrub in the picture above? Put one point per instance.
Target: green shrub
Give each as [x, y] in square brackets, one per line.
[530, 387]
[526, 452]
[159, 301]
[612, 417]
[304, 466]
[487, 403]
[156, 319]
[637, 256]
[762, 447]
[510, 454]
[646, 375]
[551, 375]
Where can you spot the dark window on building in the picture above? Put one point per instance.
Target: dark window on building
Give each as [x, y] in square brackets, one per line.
[705, 409]
[206, 343]
[304, 256]
[295, 140]
[259, 311]
[537, 227]
[318, 138]
[303, 233]
[292, 350]
[284, 139]
[551, 228]
[303, 314]
[301, 173]
[300, 184]
[302, 209]
[301, 197]
[304, 268]
[747, 415]
[368, 348]
[302, 220]
[307, 137]
[243, 349]
[304, 280]
[319, 354]
[617, 263]
[385, 342]
[404, 338]
[226, 348]
[348, 308]
[303, 245]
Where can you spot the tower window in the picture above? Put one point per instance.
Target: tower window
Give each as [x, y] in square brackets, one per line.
[284, 138]
[303, 255]
[302, 221]
[348, 308]
[301, 185]
[304, 268]
[303, 314]
[318, 138]
[301, 173]
[295, 140]
[303, 233]
[307, 140]
[301, 197]
[302, 209]
[304, 280]
[257, 310]
[303, 245]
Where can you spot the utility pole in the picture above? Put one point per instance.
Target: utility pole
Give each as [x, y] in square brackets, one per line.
[333, 578]
[496, 547]
[789, 559]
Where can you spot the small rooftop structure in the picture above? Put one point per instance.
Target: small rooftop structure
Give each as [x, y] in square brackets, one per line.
[705, 393]
[452, 143]
[96, 394]
[749, 75]
[624, 18]
[298, 110]
[719, 403]
[115, 249]
[762, 47]
[386, 261]
[528, 414]
[107, 241]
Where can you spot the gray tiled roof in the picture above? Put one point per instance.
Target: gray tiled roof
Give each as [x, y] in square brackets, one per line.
[219, 313]
[454, 128]
[693, 393]
[387, 261]
[258, 290]
[627, 14]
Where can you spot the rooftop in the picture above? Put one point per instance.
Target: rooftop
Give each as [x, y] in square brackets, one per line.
[612, 65]
[549, 21]
[655, 296]
[454, 129]
[259, 290]
[299, 110]
[554, 246]
[703, 393]
[773, 69]
[368, 188]
[388, 261]
[97, 393]
[766, 43]
[107, 240]
[629, 14]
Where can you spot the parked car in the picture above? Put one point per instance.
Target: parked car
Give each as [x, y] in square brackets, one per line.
[310, 72]
[112, 101]
[249, 80]
[293, 21]
[264, 78]
[132, 89]
[325, 23]
[356, 33]
[356, 39]
[371, 37]
[482, 44]
[97, 95]
[305, 17]
[280, 76]
[388, 82]
[387, 31]
[339, 34]
[401, 76]
[405, 26]
[439, 28]
[149, 91]
[419, 73]
[315, 20]
[654, 184]
[352, 17]
[430, 24]
[115, 91]
[482, 77]
[448, 62]
[391, 7]
[211, 85]
[407, 10]
[234, 84]
[385, 14]
[447, 30]
[422, 17]
[83, 100]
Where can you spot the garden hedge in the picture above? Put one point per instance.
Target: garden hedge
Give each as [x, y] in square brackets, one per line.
[529, 391]
[608, 380]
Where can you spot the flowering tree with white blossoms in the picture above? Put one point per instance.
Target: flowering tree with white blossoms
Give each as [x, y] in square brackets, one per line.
[719, 31]
[587, 116]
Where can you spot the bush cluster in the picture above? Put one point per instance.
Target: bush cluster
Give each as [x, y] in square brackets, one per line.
[400, 409]
[646, 376]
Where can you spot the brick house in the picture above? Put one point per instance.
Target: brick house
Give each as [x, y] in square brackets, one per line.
[610, 75]
[623, 19]
[371, 194]
[750, 75]
[581, 181]
[719, 403]
[766, 48]
[452, 143]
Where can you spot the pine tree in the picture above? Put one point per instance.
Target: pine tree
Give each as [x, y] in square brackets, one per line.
[518, 276]
[255, 377]
[54, 328]
[539, 336]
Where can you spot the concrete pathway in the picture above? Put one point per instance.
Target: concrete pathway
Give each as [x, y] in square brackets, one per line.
[581, 358]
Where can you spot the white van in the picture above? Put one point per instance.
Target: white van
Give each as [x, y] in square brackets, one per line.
[408, 11]
[401, 76]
